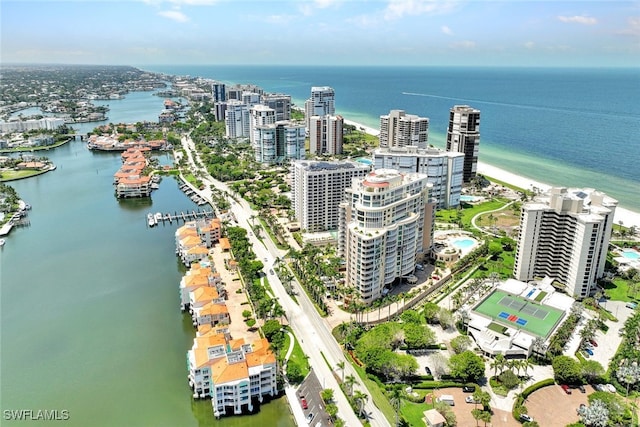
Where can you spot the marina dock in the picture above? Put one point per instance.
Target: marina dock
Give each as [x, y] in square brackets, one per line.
[186, 189]
[178, 217]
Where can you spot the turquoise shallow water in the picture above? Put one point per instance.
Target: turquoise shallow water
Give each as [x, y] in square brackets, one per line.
[89, 311]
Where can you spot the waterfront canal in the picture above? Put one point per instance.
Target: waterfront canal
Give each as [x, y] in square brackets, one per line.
[90, 319]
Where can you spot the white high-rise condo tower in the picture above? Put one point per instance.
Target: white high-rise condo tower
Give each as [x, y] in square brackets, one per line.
[321, 103]
[317, 190]
[565, 235]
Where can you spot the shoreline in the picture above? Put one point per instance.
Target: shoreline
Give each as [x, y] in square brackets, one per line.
[622, 215]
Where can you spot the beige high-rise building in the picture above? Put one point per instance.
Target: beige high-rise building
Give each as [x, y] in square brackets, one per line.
[565, 235]
[325, 135]
[385, 227]
[399, 129]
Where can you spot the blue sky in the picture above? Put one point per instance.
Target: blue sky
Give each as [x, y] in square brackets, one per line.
[322, 32]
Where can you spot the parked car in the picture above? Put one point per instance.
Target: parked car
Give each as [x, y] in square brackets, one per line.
[597, 387]
[566, 388]
[304, 403]
[427, 370]
[589, 351]
[309, 417]
[593, 343]
[582, 389]
[526, 418]
[581, 408]
[469, 388]
[470, 399]
[610, 387]
[631, 305]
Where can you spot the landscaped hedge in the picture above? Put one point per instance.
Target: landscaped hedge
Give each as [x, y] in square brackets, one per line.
[533, 387]
[518, 407]
[437, 384]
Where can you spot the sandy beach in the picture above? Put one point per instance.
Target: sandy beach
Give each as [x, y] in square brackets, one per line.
[626, 216]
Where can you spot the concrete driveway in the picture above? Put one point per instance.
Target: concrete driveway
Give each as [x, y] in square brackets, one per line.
[609, 342]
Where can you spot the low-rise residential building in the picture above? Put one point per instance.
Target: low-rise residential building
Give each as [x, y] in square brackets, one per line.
[233, 373]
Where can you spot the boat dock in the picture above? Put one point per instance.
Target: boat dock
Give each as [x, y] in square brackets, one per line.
[197, 199]
[159, 217]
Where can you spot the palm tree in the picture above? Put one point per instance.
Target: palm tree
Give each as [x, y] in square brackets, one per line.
[349, 382]
[340, 365]
[361, 400]
[396, 400]
[498, 364]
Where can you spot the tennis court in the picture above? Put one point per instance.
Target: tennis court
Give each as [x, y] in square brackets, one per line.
[520, 313]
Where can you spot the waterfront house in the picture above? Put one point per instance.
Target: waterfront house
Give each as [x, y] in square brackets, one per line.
[197, 276]
[235, 374]
[213, 313]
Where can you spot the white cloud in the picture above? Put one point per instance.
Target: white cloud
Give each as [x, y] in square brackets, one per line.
[174, 15]
[578, 19]
[633, 27]
[529, 45]
[398, 8]
[446, 30]
[464, 44]
[309, 7]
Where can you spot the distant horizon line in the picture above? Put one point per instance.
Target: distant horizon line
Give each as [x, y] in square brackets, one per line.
[3, 64]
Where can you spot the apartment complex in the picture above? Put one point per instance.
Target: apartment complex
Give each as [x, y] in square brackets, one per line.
[231, 372]
[317, 190]
[280, 103]
[565, 235]
[385, 226]
[325, 134]
[279, 142]
[398, 129]
[218, 92]
[130, 180]
[260, 115]
[321, 103]
[195, 238]
[463, 136]
[236, 119]
[444, 170]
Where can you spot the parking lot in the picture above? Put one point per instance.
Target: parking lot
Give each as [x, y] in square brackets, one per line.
[551, 406]
[310, 390]
[463, 410]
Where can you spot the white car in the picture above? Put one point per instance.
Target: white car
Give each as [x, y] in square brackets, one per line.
[470, 399]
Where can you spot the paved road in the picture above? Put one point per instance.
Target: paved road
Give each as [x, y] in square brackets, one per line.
[312, 331]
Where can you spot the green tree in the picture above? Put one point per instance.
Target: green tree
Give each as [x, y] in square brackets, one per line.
[349, 382]
[294, 372]
[467, 366]
[270, 328]
[327, 395]
[566, 370]
[332, 411]
[430, 312]
[361, 400]
[591, 370]
[460, 343]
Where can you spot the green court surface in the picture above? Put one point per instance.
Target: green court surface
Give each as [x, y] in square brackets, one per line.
[520, 313]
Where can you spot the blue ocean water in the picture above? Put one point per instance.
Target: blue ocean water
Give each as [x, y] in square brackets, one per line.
[560, 126]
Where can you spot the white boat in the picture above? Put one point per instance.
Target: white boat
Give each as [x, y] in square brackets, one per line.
[151, 219]
[158, 217]
[1, 242]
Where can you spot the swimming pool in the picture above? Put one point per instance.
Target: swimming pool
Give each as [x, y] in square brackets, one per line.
[463, 243]
[466, 198]
[630, 254]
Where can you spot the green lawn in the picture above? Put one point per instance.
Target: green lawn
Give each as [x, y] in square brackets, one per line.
[451, 215]
[12, 175]
[297, 355]
[378, 396]
[414, 412]
[618, 290]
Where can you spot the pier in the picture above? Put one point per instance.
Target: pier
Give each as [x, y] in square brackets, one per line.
[178, 217]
